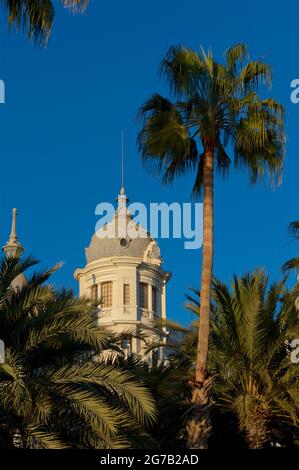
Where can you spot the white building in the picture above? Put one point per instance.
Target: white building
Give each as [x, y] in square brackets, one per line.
[125, 274]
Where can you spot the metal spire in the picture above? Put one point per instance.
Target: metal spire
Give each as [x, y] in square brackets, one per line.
[122, 211]
[122, 191]
[13, 247]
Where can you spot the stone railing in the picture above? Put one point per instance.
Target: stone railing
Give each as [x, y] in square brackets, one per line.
[127, 312]
[149, 315]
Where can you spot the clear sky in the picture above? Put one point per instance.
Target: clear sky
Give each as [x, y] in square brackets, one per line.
[65, 107]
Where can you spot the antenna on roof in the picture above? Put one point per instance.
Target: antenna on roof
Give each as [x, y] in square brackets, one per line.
[122, 191]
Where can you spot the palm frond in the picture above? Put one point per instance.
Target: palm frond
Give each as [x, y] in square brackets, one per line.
[35, 17]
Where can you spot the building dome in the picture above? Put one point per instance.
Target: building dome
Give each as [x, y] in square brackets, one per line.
[103, 246]
[123, 237]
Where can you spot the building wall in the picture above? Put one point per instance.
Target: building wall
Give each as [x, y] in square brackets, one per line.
[126, 270]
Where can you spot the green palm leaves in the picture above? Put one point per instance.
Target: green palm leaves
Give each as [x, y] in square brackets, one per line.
[56, 389]
[215, 115]
[252, 328]
[255, 392]
[36, 17]
[294, 262]
[214, 105]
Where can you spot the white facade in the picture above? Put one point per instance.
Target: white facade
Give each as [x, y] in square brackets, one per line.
[127, 277]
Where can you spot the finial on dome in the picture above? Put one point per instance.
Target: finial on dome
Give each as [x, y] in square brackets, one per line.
[122, 199]
[122, 191]
[13, 247]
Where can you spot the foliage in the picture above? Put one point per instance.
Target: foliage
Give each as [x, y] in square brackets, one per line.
[215, 115]
[35, 17]
[214, 105]
[255, 389]
[252, 329]
[294, 262]
[56, 388]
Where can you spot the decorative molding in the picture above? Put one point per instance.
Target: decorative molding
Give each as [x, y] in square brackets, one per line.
[145, 314]
[105, 313]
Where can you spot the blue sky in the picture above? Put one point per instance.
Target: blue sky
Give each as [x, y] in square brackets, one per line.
[65, 107]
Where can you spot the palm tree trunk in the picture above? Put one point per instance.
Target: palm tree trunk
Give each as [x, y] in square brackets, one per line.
[256, 432]
[207, 266]
[198, 424]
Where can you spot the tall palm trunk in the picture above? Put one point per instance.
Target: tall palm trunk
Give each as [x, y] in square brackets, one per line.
[198, 425]
[207, 266]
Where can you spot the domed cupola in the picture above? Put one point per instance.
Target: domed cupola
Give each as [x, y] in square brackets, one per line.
[125, 275]
[113, 239]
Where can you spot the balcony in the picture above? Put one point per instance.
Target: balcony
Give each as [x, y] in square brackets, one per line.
[148, 315]
[127, 312]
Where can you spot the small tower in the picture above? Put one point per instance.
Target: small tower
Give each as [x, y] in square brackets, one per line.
[14, 249]
[126, 275]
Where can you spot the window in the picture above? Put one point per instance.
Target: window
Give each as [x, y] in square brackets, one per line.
[126, 343]
[106, 294]
[126, 294]
[94, 293]
[143, 295]
[154, 299]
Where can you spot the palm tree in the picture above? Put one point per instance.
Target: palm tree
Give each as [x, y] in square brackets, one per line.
[178, 424]
[251, 330]
[36, 17]
[55, 390]
[294, 262]
[255, 388]
[215, 111]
